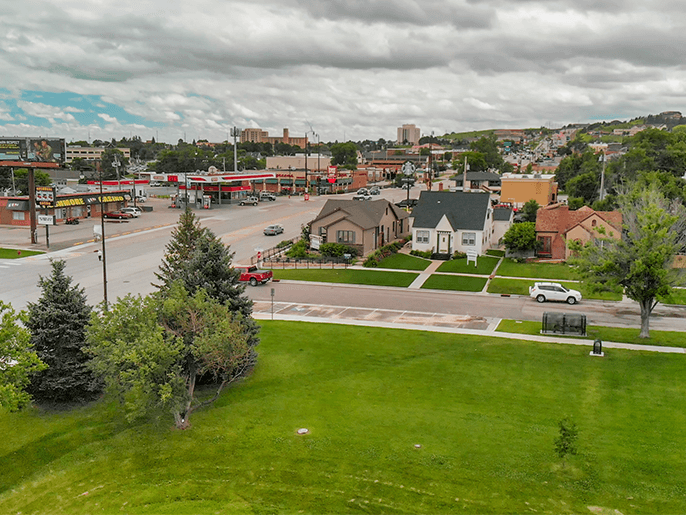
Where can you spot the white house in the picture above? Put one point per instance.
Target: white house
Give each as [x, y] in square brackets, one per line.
[446, 222]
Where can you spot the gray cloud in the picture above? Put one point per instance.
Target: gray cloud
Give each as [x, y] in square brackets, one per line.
[350, 66]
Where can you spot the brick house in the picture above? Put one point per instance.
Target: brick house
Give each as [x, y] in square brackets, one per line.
[556, 224]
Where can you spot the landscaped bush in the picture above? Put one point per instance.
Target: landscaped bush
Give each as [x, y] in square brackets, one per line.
[375, 257]
[284, 243]
[426, 254]
[298, 250]
[459, 255]
[336, 250]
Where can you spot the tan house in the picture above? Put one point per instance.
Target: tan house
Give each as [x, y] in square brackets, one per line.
[557, 224]
[365, 225]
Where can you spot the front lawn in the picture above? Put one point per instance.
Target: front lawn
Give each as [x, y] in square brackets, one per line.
[553, 271]
[398, 422]
[454, 282]
[610, 334]
[348, 276]
[16, 254]
[404, 262]
[521, 287]
[485, 265]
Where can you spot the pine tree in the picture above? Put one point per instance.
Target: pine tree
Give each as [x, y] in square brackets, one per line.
[57, 323]
[199, 260]
[180, 248]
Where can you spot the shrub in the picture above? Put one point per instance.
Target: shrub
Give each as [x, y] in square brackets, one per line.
[336, 250]
[459, 255]
[284, 243]
[298, 250]
[426, 254]
[379, 254]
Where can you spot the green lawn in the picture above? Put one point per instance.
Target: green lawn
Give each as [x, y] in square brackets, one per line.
[485, 412]
[485, 265]
[371, 277]
[454, 282]
[405, 262]
[521, 287]
[557, 271]
[15, 254]
[610, 334]
[495, 252]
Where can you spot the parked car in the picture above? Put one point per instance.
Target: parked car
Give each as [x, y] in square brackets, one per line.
[253, 275]
[273, 230]
[265, 195]
[141, 198]
[133, 211]
[362, 196]
[117, 215]
[248, 200]
[553, 291]
[407, 203]
[375, 190]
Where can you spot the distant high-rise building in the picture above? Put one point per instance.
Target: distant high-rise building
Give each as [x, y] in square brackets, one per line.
[260, 136]
[409, 133]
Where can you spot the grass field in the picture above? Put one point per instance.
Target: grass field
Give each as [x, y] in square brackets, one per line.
[454, 282]
[484, 410]
[372, 277]
[556, 271]
[485, 265]
[16, 254]
[610, 334]
[404, 262]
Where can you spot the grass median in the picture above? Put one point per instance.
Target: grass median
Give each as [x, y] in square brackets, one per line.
[454, 282]
[610, 334]
[18, 253]
[348, 276]
[416, 422]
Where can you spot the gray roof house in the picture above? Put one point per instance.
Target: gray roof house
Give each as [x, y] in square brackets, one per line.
[365, 225]
[448, 222]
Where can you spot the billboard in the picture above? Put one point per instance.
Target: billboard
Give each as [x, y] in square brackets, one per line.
[42, 150]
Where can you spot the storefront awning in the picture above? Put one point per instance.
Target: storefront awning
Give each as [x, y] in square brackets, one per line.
[18, 205]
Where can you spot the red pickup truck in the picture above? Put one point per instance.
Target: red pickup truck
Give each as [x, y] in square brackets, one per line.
[253, 275]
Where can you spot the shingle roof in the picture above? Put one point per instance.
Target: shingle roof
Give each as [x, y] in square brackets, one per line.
[365, 214]
[466, 211]
[502, 214]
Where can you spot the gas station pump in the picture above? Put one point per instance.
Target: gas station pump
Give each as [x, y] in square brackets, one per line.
[206, 202]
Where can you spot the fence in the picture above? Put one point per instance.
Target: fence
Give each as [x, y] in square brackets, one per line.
[290, 263]
[274, 251]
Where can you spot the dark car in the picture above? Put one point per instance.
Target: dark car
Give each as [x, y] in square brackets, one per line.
[117, 215]
[407, 203]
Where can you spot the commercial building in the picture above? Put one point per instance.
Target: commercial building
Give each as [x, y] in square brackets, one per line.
[260, 136]
[92, 155]
[518, 189]
[409, 133]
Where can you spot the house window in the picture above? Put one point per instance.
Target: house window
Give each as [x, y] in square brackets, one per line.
[594, 223]
[345, 236]
[469, 238]
[423, 236]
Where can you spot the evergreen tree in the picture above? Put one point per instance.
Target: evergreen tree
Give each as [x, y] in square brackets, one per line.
[200, 260]
[180, 248]
[57, 323]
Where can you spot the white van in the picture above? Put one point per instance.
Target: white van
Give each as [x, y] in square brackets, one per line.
[133, 211]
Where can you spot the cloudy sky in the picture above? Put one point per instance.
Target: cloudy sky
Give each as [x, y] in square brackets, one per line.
[348, 69]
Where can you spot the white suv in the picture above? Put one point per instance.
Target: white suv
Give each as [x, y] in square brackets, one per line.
[133, 211]
[553, 291]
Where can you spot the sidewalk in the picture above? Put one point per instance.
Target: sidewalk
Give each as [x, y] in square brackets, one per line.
[419, 321]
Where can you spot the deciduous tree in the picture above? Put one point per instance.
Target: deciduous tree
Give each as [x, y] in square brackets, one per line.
[642, 260]
[520, 237]
[17, 359]
[151, 351]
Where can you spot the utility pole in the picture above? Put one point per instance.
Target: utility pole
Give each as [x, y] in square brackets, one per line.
[102, 234]
[602, 177]
[235, 133]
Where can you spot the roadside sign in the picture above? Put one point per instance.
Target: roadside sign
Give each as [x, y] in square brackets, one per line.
[408, 168]
[46, 219]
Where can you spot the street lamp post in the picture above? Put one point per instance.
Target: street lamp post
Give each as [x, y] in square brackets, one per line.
[102, 235]
[235, 133]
